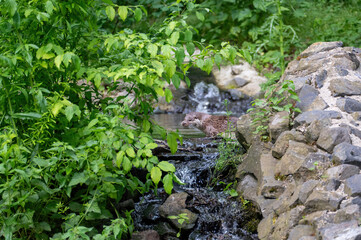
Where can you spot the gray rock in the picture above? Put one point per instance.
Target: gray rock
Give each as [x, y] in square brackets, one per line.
[146, 235]
[331, 184]
[356, 116]
[310, 99]
[320, 78]
[306, 189]
[342, 172]
[348, 105]
[314, 129]
[346, 153]
[341, 71]
[323, 200]
[320, 47]
[351, 212]
[258, 162]
[294, 158]
[313, 166]
[342, 231]
[272, 188]
[248, 188]
[286, 221]
[240, 81]
[279, 123]
[353, 186]
[245, 131]
[310, 116]
[344, 87]
[288, 200]
[351, 130]
[265, 227]
[281, 145]
[330, 137]
[346, 60]
[189, 223]
[301, 231]
[316, 219]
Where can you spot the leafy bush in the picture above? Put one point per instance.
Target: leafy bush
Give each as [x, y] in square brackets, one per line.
[77, 86]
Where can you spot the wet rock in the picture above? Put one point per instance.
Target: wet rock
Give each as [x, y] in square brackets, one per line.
[300, 231]
[294, 158]
[320, 78]
[323, 200]
[342, 172]
[353, 186]
[313, 166]
[345, 153]
[282, 142]
[174, 206]
[127, 204]
[278, 123]
[342, 231]
[348, 105]
[151, 212]
[320, 47]
[330, 137]
[343, 87]
[310, 116]
[351, 212]
[245, 131]
[265, 227]
[286, 221]
[146, 235]
[314, 129]
[164, 229]
[306, 189]
[310, 99]
[272, 188]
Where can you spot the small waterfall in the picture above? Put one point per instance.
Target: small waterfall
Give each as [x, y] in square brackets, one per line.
[205, 95]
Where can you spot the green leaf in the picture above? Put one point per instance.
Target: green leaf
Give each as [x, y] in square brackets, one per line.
[232, 54]
[56, 108]
[123, 12]
[58, 60]
[168, 183]
[138, 14]
[156, 175]
[218, 60]
[119, 158]
[97, 80]
[188, 35]
[168, 95]
[158, 67]
[11, 6]
[174, 38]
[109, 10]
[200, 63]
[152, 49]
[200, 16]
[166, 50]
[49, 7]
[151, 145]
[169, 68]
[208, 65]
[130, 152]
[190, 48]
[69, 112]
[166, 166]
[176, 80]
[180, 55]
[78, 178]
[172, 142]
[29, 115]
[127, 164]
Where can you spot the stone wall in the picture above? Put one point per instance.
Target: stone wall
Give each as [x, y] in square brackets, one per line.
[307, 182]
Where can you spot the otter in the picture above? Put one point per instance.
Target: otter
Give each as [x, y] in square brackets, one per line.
[211, 125]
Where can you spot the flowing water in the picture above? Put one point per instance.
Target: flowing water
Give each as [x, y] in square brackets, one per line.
[219, 215]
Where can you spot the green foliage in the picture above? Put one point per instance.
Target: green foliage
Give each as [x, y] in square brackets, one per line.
[71, 149]
[278, 98]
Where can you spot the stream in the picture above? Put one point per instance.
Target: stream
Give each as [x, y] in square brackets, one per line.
[219, 215]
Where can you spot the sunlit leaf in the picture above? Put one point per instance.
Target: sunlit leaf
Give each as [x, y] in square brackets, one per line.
[156, 175]
[123, 12]
[166, 166]
[168, 183]
[109, 10]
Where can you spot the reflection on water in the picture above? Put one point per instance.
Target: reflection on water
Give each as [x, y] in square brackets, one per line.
[172, 122]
